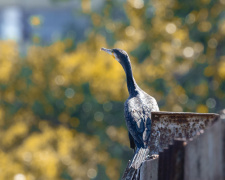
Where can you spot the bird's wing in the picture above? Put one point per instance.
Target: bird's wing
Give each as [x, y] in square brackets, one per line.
[147, 131]
[149, 106]
[135, 125]
[138, 118]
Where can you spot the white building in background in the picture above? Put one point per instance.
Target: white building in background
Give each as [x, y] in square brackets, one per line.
[12, 24]
[26, 21]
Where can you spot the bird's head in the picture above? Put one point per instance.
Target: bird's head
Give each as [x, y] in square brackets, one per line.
[120, 55]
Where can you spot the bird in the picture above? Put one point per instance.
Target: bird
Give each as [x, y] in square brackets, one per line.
[137, 109]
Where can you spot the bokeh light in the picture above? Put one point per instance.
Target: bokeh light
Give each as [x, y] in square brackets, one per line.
[188, 52]
[35, 20]
[171, 28]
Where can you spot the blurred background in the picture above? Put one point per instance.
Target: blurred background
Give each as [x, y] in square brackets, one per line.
[61, 99]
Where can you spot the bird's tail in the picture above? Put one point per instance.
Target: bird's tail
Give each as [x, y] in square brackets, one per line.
[139, 157]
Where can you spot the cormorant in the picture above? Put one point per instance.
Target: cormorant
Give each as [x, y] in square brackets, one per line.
[137, 108]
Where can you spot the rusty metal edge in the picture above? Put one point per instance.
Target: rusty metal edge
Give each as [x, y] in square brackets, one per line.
[183, 113]
[158, 114]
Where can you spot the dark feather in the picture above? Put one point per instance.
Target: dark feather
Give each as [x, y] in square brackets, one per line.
[132, 144]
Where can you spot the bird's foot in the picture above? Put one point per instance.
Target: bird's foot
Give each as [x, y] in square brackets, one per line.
[153, 156]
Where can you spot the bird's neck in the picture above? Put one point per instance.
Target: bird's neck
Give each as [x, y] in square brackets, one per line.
[131, 83]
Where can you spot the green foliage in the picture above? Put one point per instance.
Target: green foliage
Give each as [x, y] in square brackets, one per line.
[61, 110]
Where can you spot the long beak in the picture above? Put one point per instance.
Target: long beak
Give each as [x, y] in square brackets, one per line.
[109, 51]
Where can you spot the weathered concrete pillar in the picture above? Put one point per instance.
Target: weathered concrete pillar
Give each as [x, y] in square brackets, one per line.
[205, 154]
[149, 170]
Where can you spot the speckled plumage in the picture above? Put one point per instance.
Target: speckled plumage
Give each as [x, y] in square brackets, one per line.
[137, 111]
[138, 106]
